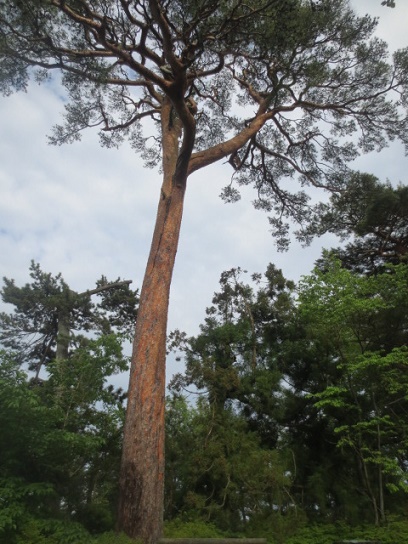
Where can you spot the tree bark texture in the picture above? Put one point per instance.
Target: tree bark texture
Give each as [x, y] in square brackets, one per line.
[63, 334]
[141, 495]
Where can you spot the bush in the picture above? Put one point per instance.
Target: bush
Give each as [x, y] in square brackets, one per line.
[276, 527]
[38, 531]
[112, 538]
[317, 534]
[178, 528]
[395, 532]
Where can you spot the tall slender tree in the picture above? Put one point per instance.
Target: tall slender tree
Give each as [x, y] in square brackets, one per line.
[235, 358]
[276, 87]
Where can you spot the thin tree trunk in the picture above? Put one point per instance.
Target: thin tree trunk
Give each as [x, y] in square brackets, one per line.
[380, 468]
[141, 496]
[63, 334]
[368, 487]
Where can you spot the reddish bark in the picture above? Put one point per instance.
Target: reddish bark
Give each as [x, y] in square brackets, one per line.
[142, 471]
[141, 496]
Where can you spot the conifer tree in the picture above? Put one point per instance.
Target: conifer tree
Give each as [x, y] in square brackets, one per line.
[48, 319]
[374, 215]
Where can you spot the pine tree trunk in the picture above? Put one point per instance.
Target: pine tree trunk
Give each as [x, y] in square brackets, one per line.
[63, 334]
[141, 496]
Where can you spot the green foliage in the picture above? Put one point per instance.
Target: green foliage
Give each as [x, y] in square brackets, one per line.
[36, 531]
[234, 358]
[277, 527]
[394, 532]
[60, 443]
[374, 214]
[250, 457]
[217, 470]
[61, 431]
[17, 499]
[317, 534]
[113, 538]
[362, 323]
[180, 528]
[341, 426]
[51, 532]
[221, 460]
[48, 318]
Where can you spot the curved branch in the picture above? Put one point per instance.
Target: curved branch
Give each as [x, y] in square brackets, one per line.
[163, 24]
[213, 154]
[212, 71]
[132, 120]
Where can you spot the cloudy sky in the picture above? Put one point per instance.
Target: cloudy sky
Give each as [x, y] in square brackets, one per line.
[86, 211]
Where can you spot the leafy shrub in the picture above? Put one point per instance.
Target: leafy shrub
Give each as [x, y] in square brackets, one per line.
[18, 499]
[317, 534]
[276, 528]
[178, 528]
[38, 531]
[112, 538]
[395, 532]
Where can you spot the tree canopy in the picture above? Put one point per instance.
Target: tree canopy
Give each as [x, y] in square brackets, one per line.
[278, 88]
[319, 380]
[49, 320]
[61, 420]
[374, 215]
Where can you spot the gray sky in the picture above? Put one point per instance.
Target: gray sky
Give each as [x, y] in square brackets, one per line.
[85, 211]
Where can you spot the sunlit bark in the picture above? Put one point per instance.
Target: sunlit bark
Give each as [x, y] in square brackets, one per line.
[142, 472]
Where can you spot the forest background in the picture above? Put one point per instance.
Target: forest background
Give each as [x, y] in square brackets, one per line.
[108, 351]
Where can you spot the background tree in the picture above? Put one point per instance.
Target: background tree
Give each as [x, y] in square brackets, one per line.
[318, 385]
[234, 360]
[219, 471]
[238, 475]
[61, 432]
[322, 485]
[255, 84]
[49, 320]
[60, 446]
[375, 215]
[363, 322]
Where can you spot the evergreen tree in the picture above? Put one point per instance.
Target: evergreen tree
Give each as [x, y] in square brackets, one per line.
[61, 432]
[217, 469]
[49, 320]
[236, 474]
[235, 358]
[375, 215]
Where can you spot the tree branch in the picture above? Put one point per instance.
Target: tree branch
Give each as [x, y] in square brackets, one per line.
[90, 292]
